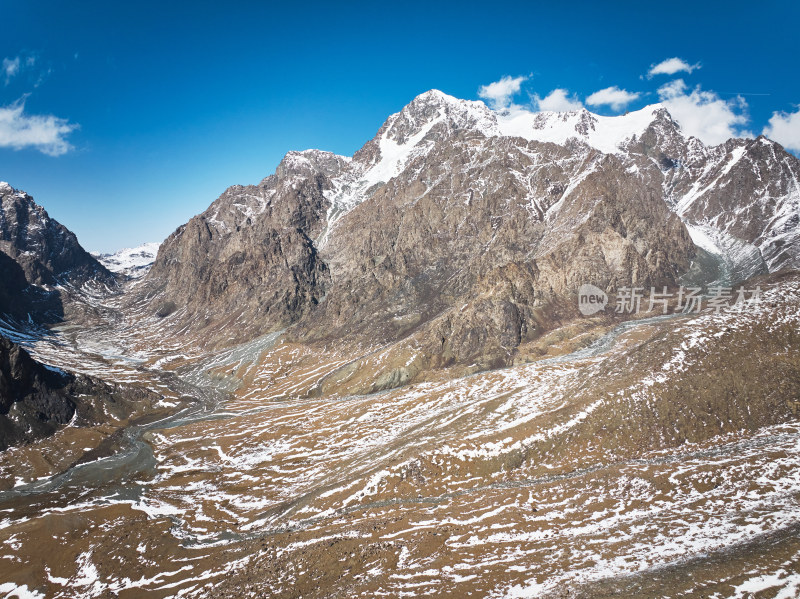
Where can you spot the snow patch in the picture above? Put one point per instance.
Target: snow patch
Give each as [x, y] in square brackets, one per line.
[134, 262]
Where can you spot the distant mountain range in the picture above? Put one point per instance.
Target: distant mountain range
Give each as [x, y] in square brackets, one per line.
[132, 262]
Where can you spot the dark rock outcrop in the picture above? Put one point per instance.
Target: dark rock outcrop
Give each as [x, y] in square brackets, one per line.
[35, 401]
[40, 261]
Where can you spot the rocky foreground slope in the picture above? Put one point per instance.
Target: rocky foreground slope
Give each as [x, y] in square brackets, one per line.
[659, 460]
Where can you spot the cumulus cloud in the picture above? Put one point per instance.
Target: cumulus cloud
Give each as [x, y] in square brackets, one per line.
[704, 114]
[557, 100]
[45, 133]
[784, 127]
[614, 97]
[670, 66]
[500, 93]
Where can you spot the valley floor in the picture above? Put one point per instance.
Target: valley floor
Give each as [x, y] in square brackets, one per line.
[662, 460]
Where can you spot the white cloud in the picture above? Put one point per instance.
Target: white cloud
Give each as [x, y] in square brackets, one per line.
[46, 133]
[614, 97]
[10, 67]
[557, 100]
[499, 93]
[670, 66]
[704, 114]
[784, 127]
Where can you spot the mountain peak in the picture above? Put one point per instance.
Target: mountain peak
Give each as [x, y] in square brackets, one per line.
[435, 95]
[308, 161]
[434, 107]
[47, 252]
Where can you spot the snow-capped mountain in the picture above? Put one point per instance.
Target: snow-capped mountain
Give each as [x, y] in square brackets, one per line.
[132, 262]
[433, 116]
[436, 212]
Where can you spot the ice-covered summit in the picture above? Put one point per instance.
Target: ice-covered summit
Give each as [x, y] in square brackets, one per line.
[434, 117]
[435, 112]
[133, 262]
[605, 133]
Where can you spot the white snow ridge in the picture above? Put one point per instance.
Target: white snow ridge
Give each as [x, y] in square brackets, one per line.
[133, 262]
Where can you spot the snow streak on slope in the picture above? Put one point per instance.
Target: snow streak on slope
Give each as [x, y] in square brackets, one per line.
[413, 132]
[702, 185]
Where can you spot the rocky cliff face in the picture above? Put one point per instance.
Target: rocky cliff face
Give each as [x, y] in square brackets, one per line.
[250, 260]
[19, 299]
[464, 232]
[41, 261]
[47, 252]
[744, 193]
[474, 249]
[35, 400]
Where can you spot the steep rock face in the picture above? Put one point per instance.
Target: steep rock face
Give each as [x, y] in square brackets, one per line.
[745, 193]
[47, 252]
[472, 249]
[459, 233]
[19, 299]
[35, 401]
[250, 257]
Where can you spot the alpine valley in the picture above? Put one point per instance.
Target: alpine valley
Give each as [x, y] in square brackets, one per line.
[369, 376]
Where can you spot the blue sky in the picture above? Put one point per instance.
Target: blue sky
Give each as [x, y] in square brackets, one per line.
[125, 119]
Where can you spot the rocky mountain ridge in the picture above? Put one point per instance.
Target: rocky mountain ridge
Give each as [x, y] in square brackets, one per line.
[41, 261]
[461, 233]
[48, 252]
